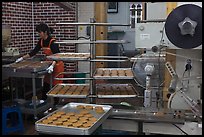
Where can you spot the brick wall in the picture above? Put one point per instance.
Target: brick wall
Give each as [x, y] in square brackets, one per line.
[19, 16]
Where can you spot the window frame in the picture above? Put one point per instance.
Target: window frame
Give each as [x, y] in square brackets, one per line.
[113, 10]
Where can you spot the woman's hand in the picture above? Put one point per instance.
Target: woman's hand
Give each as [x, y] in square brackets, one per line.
[51, 67]
[22, 58]
[19, 60]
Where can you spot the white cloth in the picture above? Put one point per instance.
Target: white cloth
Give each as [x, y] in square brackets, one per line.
[50, 69]
[19, 60]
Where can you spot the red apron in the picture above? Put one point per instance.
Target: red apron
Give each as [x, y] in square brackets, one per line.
[59, 66]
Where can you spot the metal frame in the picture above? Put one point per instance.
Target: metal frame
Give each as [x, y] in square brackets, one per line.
[33, 75]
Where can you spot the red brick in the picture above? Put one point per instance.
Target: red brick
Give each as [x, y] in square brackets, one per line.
[19, 16]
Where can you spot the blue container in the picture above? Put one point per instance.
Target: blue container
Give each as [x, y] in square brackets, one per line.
[80, 75]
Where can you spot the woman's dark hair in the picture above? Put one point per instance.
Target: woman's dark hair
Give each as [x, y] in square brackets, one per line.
[42, 27]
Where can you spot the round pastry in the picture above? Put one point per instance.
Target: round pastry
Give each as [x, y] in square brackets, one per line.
[159, 114]
[91, 122]
[62, 119]
[83, 118]
[60, 113]
[89, 107]
[58, 123]
[56, 115]
[66, 116]
[99, 111]
[70, 126]
[66, 123]
[62, 92]
[80, 107]
[84, 92]
[86, 125]
[77, 124]
[79, 115]
[72, 120]
[93, 119]
[98, 107]
[53, 92]
[73, 117]
[68, 93]
[70, 113]
[46, 121]
[83, 121]
[76, 93]
[52, 118]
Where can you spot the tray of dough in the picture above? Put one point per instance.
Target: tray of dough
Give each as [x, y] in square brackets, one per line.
[74, 119]
[28, 66]
[69, 91]
[116, 91]
[69, 56]
[113, 73]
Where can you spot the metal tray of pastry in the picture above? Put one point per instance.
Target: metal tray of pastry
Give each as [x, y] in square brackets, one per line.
[71, 107]
[109, 75]
[116, 91]
[69, 56]
[28, 66]
[69, 91]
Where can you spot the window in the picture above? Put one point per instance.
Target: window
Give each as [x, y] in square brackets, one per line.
[112, 7]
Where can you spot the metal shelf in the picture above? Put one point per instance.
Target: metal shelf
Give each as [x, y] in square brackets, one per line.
[97, 24]
[103, 91]
[92, 42]
[93, 58]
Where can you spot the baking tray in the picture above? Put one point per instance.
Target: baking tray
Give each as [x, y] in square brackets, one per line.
[28, 66]
[113, 77]
[68, 95]
[69, 56]
[71, 107]
[116, 90]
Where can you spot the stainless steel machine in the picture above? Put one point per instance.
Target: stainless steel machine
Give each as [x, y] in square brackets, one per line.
[181, 30]
[9, 54]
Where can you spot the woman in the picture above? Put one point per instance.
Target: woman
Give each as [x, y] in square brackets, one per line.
[46, 43]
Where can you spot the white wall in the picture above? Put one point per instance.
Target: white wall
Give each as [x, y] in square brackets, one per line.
[85, 12]
[156, 10]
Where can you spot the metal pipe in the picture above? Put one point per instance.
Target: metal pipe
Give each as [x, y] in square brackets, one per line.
[94, 60]
[74, 78]
[183, 56]
[93, 56]
[117, 57]
[33, 25]
[94, 23]
[153, 20]
[34, 98]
